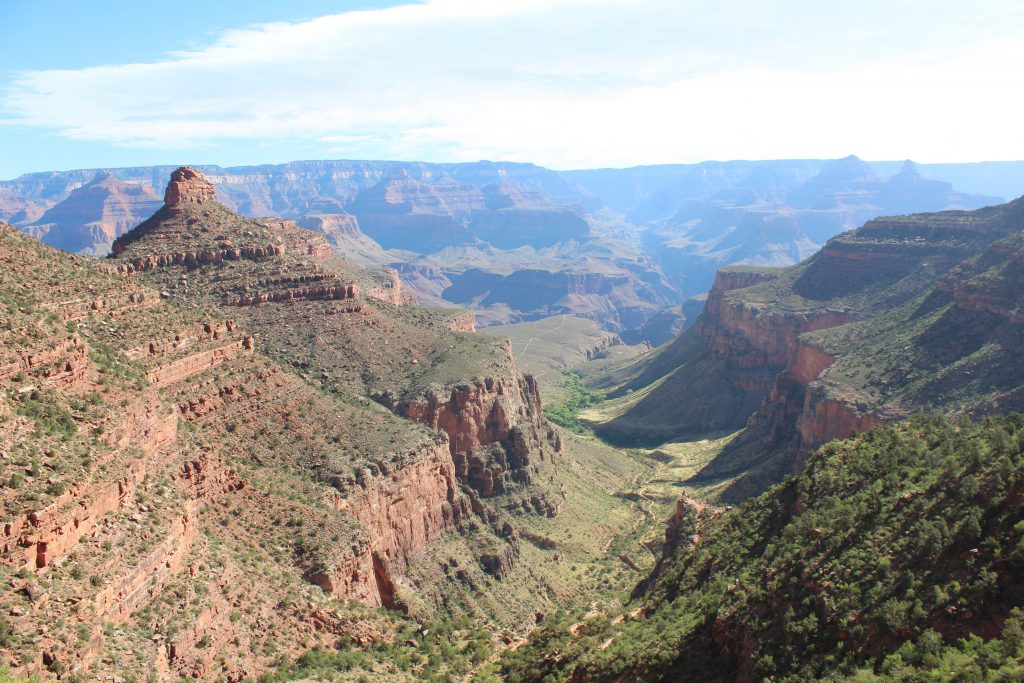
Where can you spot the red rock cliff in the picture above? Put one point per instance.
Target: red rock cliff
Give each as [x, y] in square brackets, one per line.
[758, 343]
[496, 429]
[188, 186]
[402, 511]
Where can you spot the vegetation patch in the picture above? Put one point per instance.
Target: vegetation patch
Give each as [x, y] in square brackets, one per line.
[432, 651]
[578, 397]
[895, 550]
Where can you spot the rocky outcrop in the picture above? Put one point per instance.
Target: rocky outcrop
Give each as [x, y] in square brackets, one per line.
[759, 346]
[47, 534]
[193, 229]
[333, 226]
[194, 259]
[115, 304]
[728, 279]
[123, 596]
[463, 322]
[606, 342]
[427, 281]
[976, 300]
[536, 504]
[298, 240]
[62, 365]
[207, 475]
[337, 228]
[402, 511]
[757, 342]
[990, 283]
[809, 363]
[183, 339]
[390, 289]
[315, 293]
[494, 429]
[799, 412]
[824, 418]
[182, 368]
[204, 479]
[500, 564]
[144, 424]
[188, 186]
[194, 652]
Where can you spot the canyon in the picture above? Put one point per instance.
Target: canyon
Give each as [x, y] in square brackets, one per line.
[882, 321]
[225, 445]
[185, 407]
[841, 440]
[633, 249]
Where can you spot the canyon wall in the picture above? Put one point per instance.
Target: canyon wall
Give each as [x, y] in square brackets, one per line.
[403, 511]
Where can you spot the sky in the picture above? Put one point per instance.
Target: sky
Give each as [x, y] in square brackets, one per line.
[562, 83]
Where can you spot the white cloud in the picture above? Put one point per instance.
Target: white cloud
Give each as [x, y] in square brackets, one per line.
[573, 83]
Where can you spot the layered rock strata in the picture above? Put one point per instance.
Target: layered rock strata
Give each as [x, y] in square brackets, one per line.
[495, 427]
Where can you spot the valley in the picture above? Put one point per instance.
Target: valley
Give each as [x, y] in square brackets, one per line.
[575, 341]
[225, 447]
[878, 339]
[232, 453]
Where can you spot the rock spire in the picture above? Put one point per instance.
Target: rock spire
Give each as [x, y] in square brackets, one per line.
[188, 186]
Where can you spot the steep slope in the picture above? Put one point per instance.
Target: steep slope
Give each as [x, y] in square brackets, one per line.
[902, 314]
[121, 553]
[888, 550]
[199, 482]
[365, 340]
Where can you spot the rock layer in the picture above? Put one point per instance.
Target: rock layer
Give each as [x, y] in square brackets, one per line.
[403, 512]
[902, 313]
[188, 186]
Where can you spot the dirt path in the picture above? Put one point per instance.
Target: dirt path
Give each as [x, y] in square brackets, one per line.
[647, 505]
[526, 346]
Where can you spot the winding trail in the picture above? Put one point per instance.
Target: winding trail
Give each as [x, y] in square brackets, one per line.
[646, 504]
[526, 346]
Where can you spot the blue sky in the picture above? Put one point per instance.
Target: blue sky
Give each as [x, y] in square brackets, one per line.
[564, 83]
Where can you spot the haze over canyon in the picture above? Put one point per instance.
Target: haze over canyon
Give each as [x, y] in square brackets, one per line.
[632, 249]
[574, 341]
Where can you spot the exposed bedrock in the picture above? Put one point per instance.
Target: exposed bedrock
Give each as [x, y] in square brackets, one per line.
[496, 430]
